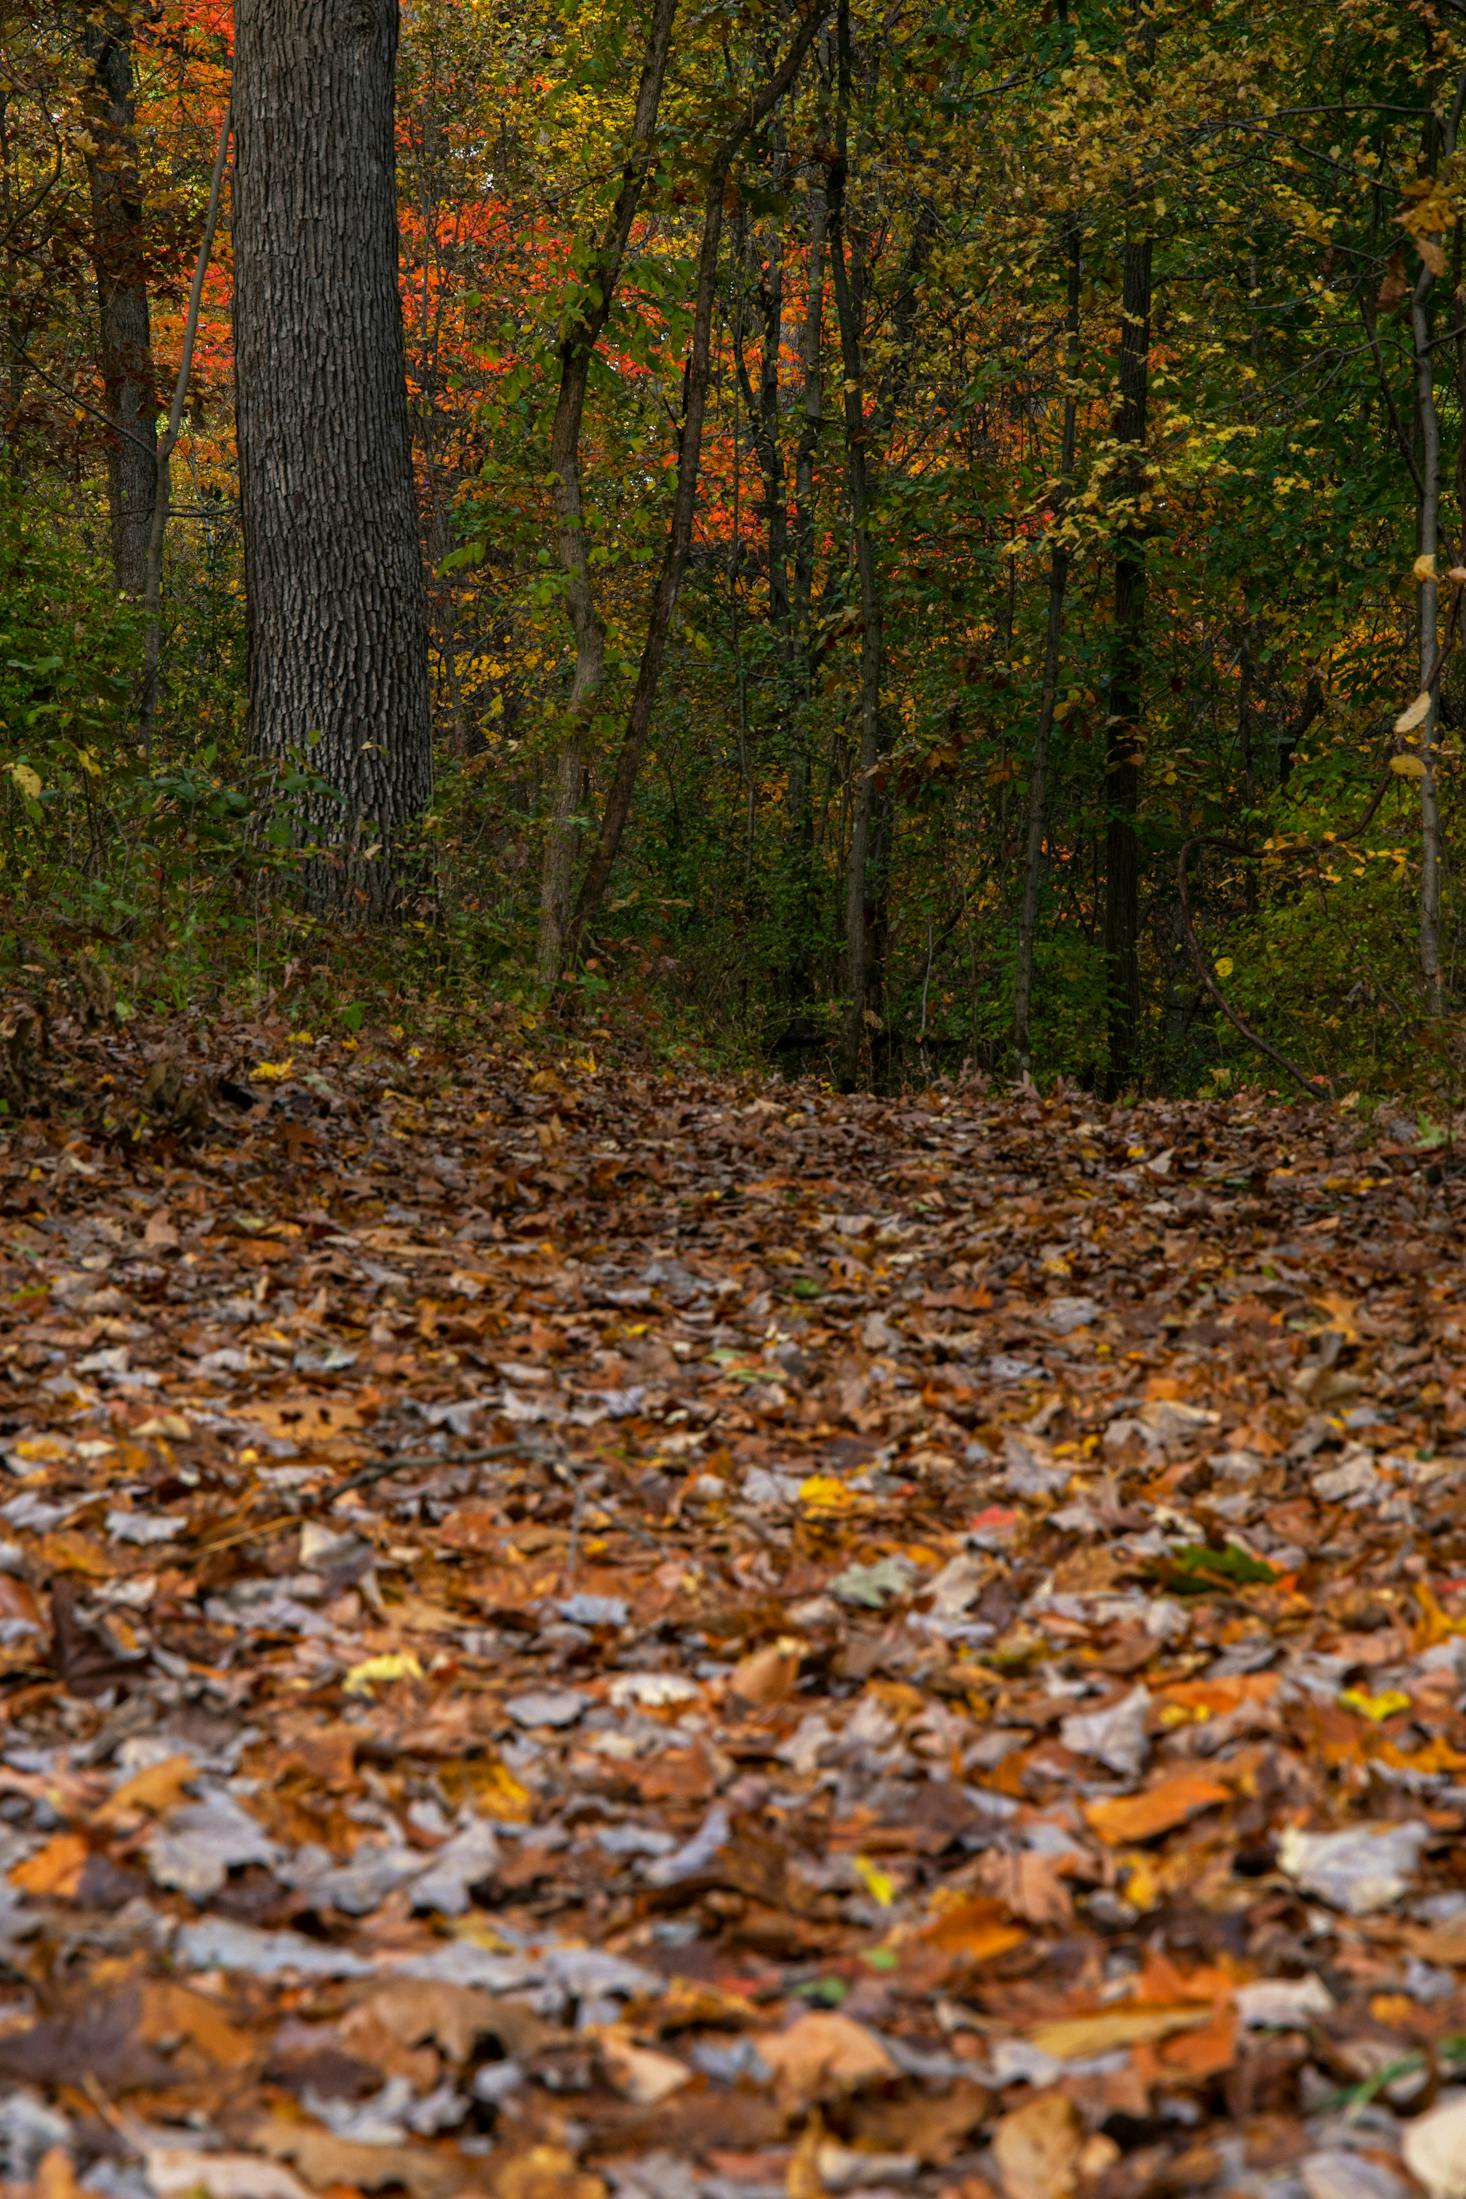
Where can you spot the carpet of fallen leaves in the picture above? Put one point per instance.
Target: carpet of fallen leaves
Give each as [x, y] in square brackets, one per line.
[577, 1632]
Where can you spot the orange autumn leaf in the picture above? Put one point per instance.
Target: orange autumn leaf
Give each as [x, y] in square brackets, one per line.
[1123, 1818]
[1073, 2038]
[1197, 2053]
[151, 1792]
[973, 1929]
[54, 1870]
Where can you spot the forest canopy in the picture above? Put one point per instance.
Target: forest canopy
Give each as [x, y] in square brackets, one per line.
[883, 537]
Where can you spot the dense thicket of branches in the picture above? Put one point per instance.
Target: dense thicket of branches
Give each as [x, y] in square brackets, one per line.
[939, 521]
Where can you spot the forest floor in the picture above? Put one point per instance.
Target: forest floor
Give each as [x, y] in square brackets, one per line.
[570, 1630]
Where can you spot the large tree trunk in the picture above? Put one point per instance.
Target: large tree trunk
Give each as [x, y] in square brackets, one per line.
[1122, 752]
[338, 664]
[124, 326]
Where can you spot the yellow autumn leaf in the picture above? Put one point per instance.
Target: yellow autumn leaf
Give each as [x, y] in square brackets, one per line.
[28, 781]
[1417, 714]
[826, 1493]
[394, 1664]
[878, 1884]
[89, 763]
[1424, 567]
[1377, 1708]
[1407, 767]
[273, 1072]
[1224, 966]
[499, 1794]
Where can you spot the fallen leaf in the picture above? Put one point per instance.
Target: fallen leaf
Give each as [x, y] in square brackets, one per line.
[822, 2056]
[639, 2073]
[323, 2158]
[380, 1671]
[1038, 2148]
[1074, 2038]
[56, 2176]
[151, 1792]
[974, 1928]
[55, 1870]
[543, 2172]
[1365, 1868]
[770, 1674]
[178, 2172]
[1434, 2148]
[1127, 1818]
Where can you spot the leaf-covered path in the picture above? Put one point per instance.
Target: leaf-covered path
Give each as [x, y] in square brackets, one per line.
[904, 1646]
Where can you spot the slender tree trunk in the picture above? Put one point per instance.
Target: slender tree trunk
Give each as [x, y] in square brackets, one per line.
[584, 323]
[1247, 741]
[862, 889]
[338, 660]
[1428, 603]
[1440, 147]
[435, 290]
[735, 606]
[763, 414]
[163, 487]
[684, 503]
[800, 958]
[1126, 701]
[124, 324]
[1308, 710]
[1038, 776]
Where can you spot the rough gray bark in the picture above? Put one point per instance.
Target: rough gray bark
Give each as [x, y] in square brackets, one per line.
[123, 322]
[338, 663]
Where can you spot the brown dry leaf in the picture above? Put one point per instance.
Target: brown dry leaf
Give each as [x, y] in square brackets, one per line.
[1443, 1942]
[323, 2158]
[932, 2125]
[823, 2055]
[639, 2073]
[175, 2014]
[543, 2172]
[1071, 2038]
[803, 2179]
[454, 2017]
[691, 2004]
[56, 2177]
[1030, 1886]
[309, 1418]
[178, 2172]
[770, 1674]
[1122, 1819]
[1039, 2148]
